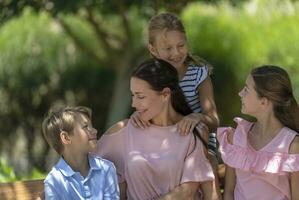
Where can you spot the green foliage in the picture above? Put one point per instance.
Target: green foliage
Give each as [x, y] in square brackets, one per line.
[41, 67]
[7, 174]
[235, 40]
[34, 174]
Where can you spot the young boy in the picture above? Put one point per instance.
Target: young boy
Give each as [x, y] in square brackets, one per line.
[78, 174]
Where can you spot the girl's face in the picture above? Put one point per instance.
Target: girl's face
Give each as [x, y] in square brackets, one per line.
[147, 102]
[251, 103]
[170, 46]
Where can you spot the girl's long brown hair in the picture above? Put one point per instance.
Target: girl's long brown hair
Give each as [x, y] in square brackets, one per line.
[274, 83]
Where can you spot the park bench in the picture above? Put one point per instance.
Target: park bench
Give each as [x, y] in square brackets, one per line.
[34, 189]
[22, 190]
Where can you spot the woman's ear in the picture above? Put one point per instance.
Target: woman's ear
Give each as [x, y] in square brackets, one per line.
[152, 50]
[166, 93]
[65, 138]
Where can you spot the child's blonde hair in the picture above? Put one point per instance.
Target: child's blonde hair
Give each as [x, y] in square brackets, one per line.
[165, 22]
[61, 119]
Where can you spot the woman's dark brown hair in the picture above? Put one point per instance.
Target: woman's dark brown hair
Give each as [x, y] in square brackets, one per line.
[159, 74]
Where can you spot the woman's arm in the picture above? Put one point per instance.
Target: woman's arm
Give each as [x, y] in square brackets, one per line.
[185, 191]
[230, 183]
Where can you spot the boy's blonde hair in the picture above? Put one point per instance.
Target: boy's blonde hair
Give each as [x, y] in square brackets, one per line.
[61, 119]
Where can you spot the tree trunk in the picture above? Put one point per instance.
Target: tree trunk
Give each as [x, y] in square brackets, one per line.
[121, 98]
[120, 101]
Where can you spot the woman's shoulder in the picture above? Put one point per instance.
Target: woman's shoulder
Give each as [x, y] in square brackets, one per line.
[117, 127]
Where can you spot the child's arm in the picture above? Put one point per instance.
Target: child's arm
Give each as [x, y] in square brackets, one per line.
[207, 102]
[111, 189]
[230, 182]
[294, 149]
[50, 192]
[208, 116]
[138, 122]
[295, 185]
[230, 174]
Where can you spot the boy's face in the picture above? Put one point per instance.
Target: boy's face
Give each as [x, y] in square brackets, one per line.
[84, 137]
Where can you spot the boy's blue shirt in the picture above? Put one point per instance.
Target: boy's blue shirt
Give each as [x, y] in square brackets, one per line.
[100, 183]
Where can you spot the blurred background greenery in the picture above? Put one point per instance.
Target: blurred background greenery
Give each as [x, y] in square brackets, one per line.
[81, 52]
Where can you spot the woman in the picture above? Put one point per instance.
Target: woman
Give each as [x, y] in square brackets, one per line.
[158, 162]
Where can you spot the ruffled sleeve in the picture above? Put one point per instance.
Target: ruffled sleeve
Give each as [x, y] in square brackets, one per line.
[196, 167]
[239, 156]
[112, 147]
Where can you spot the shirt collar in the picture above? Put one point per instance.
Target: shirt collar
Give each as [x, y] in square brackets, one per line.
[67, 171]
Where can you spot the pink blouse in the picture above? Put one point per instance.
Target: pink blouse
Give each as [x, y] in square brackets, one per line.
[260, 174]
[154, 161]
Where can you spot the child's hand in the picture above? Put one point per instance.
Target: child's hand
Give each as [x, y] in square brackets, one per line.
[189, 122]
[203, 130]
[138, 122]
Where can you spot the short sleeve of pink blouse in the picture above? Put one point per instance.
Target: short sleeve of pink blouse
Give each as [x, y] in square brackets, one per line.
[196, 166]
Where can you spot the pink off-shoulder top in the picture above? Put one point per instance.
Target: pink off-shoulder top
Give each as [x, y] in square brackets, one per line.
[155, 160]
[260, 174]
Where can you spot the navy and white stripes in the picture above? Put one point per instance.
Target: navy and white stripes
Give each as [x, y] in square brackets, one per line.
[194, 76]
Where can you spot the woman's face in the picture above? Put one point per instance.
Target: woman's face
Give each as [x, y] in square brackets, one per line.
[147, 102]
[170, 46]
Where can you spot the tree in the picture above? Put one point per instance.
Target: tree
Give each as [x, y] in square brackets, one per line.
[125, 41]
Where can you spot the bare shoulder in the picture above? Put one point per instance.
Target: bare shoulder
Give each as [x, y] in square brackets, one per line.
[294, 147]
[117, 127]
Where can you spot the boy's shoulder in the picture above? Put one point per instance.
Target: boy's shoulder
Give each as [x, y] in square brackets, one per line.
[55, 175]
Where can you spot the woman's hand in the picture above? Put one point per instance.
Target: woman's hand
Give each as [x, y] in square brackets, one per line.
[138, 122]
